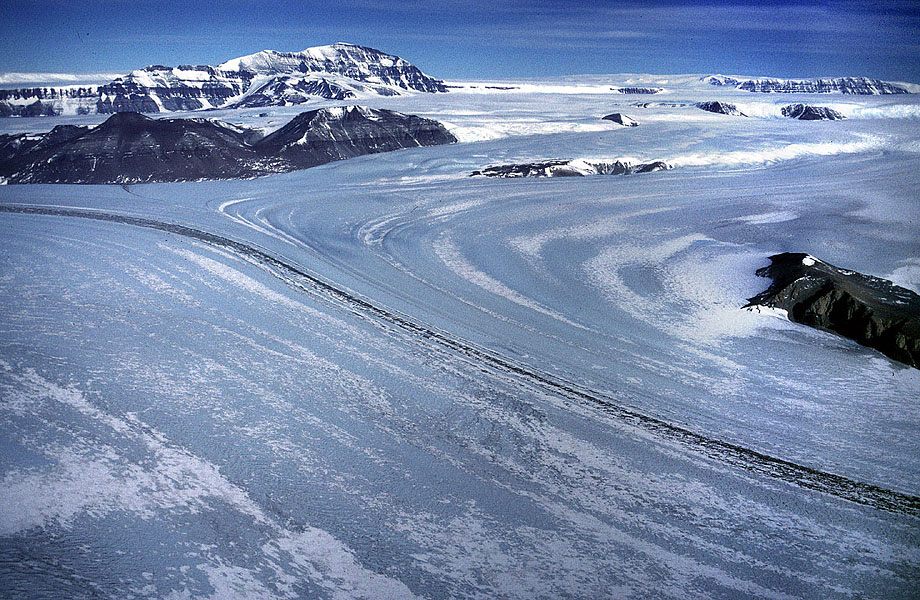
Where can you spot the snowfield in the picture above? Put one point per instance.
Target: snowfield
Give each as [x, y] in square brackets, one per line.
[384, 378]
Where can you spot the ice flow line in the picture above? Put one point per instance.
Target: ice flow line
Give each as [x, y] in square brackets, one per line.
[751, 460]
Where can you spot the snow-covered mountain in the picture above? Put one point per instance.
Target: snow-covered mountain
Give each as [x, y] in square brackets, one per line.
[266, 78]
[863, 86]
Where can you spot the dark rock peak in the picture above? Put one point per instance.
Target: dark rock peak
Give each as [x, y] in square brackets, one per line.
[132, 148]
[621, 119]
[871, 311]
[723, 108]
[326, 134]
[805, 112]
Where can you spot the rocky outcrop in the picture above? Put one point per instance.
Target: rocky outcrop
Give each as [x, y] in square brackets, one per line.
[266, 78]
[132, 148]
[722, 108]
[321, 136]
[805, 112]
[288, 91]
[661, 104]
[621, 119]
[12, 145]
[570, 168]
[871, 311]
[637, 90]
[835, 85]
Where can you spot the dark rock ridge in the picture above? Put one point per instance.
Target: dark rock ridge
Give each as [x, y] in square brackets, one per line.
[839, 85]
[570, 168]
[874, 312]
[266, 78]
[621, 119]
[17, 144]
[132, 148]
[722, 108]
[805, 112]
[321, 136]
[637, 90]
[661, 104]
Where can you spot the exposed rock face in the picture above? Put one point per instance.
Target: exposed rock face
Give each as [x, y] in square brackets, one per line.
[287, 91]
[621, 119]
[321, 136]
[839, 85]
[805, 112]
[17, 144]
[266, 78]
[570, 168]
[131, 148]
[874, 312]
[637, 90]
[722, 108]
[45, 101]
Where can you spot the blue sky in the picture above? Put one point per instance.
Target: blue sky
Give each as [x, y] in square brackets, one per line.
[467, 39]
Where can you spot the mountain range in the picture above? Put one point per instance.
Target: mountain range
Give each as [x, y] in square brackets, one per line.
[862, 86]
[267, 78]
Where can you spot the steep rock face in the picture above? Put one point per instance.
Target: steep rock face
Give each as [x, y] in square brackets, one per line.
[266, 78]
[47, 101]
[835, 85]
[805, 112]
[129, 148]
[570, 168]
[12, 145]
[722, 108]
[358, 63]
[132, 148]
[621, 119]
[287, 91]
[320, 136]
[874, 312]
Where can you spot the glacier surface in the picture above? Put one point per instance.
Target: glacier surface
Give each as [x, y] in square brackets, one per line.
[383, 378]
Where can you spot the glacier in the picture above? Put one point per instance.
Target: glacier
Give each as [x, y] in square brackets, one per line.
[384, 378]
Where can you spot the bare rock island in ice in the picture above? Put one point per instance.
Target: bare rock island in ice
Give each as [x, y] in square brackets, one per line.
[621, 119]
[267, 78]
[806, 112]
[637, 90]
[872, 311]
[571, 168]
[132, 148]
[722, 108]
